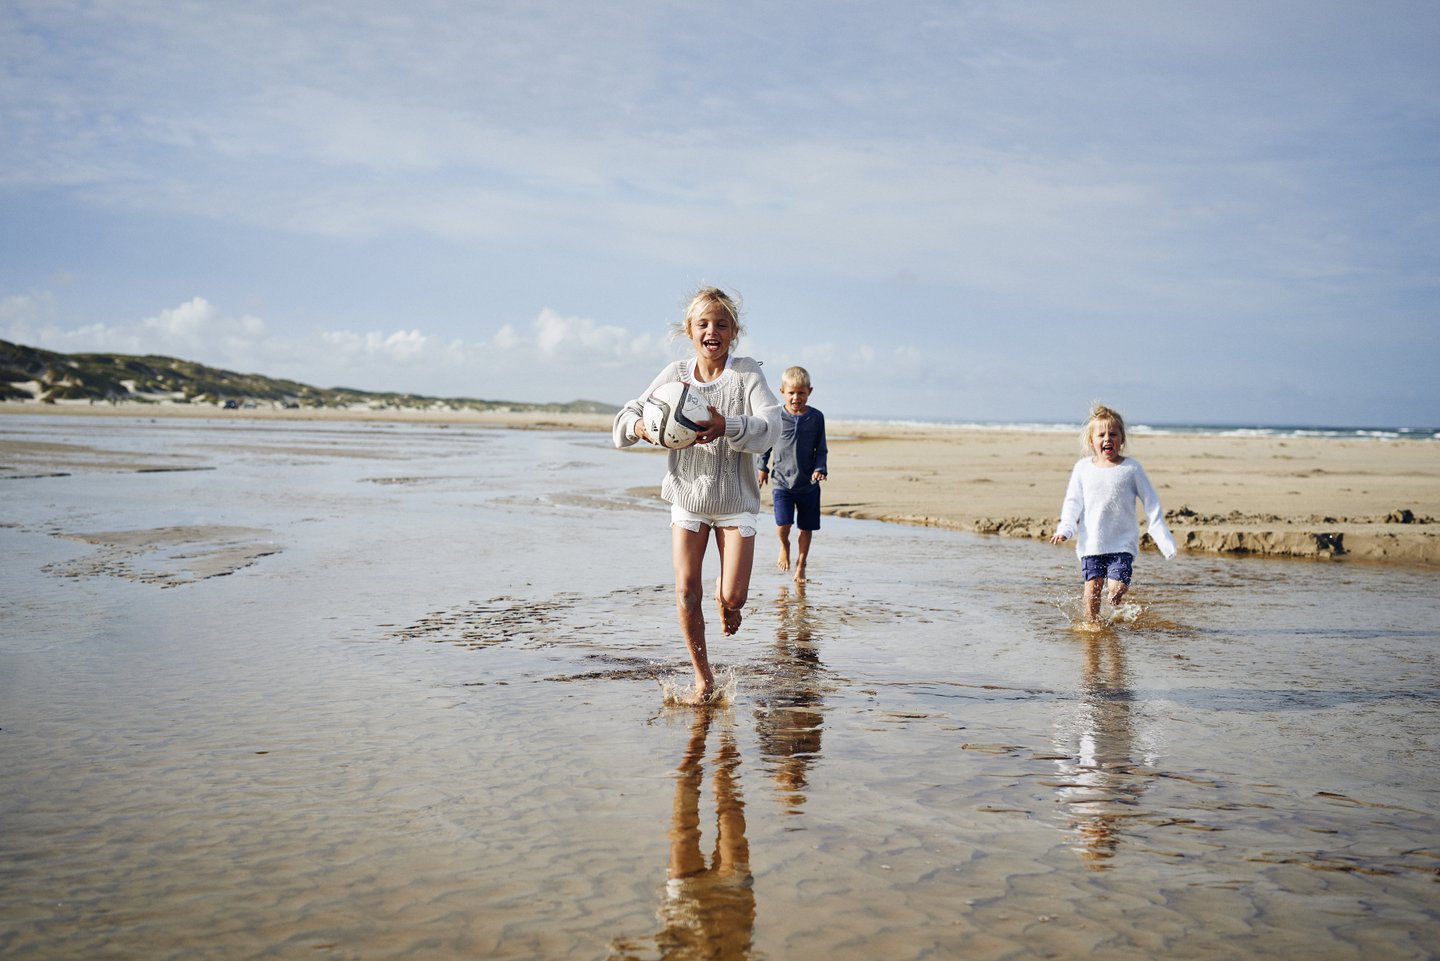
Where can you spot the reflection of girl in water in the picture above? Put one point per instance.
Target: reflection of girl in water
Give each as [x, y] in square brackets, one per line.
[709, 908]
[1101, 782]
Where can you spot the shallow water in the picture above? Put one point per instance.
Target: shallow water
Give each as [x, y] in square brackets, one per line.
[365, 691]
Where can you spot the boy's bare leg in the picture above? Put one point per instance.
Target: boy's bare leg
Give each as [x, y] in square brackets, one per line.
[1117, 591]
[803, 552]
[784, 534]
[1092, 599]
[688, 553]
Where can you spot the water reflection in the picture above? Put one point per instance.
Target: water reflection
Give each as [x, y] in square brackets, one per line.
[708, 908]
[788, 716]
[1103, 779]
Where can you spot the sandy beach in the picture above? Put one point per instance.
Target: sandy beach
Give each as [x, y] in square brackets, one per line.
[392, 688]
[1304, 497]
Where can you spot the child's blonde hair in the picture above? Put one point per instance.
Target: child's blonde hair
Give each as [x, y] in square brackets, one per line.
[704, 299]
[1099, 414]
[795, 377]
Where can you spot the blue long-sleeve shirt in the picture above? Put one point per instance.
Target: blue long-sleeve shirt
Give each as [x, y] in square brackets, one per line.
[800, 452]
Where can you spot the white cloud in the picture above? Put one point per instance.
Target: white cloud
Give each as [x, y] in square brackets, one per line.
[580, 338]
[186, 324]
[400, 346]
[21, 313]
[553, 353]
[506, 338]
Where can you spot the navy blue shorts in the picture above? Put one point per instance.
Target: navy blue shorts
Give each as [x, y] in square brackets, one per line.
[802, 505]
[1114, 567]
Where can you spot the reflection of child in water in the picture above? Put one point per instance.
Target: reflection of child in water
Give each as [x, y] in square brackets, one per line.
[1106, 778]
[788, 718]
[709, 909]
[1099, 511]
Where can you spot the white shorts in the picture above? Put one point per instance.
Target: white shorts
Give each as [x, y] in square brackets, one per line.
[744, 520]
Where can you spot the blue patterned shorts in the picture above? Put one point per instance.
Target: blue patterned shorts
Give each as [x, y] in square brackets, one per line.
[1114, 567]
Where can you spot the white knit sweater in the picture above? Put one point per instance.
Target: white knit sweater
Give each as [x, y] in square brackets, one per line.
[1100, 507]
[719, 477]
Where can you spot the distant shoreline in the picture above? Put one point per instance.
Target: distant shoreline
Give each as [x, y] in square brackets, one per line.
[521, 413]
[1317, 497]
[1209, 430]
[531, 419]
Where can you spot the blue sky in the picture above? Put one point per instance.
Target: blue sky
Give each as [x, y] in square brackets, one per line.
[1214, 212]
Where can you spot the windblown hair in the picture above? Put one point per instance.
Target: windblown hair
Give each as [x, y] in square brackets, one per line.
[704, 299]
[1100, 414]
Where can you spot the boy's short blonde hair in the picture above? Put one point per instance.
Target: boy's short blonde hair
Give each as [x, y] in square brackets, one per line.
[795, 377]
[1100, 414]
[703, 300]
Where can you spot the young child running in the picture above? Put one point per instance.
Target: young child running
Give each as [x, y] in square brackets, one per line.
[712, 485]
[798, 467]
[1099, 511]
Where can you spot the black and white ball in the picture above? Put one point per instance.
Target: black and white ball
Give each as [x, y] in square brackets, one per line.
[672, 412]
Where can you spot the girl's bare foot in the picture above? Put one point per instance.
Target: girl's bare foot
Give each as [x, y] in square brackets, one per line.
[729, 617]
[718, 691]
[732, 620]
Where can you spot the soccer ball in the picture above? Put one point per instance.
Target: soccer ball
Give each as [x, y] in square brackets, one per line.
[671, 413]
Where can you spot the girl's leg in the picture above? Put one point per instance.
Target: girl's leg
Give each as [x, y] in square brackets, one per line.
[1117, 591]
[1092, 598]
[687, 550]
[737, 556]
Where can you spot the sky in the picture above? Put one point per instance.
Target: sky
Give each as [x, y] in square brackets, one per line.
[1220, 212]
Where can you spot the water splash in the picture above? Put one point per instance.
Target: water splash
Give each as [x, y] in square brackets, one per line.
[679, 694]
[1129, 613]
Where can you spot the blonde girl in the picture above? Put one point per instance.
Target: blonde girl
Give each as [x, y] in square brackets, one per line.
[1099, 510]
[711, 485]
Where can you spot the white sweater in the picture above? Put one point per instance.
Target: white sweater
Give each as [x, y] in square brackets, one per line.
[1100, 507]
[719, 477]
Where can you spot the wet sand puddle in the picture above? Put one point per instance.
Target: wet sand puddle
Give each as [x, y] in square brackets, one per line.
[167, 557]
[428, 724]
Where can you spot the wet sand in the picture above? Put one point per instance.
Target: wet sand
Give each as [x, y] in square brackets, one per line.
[393, 690]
